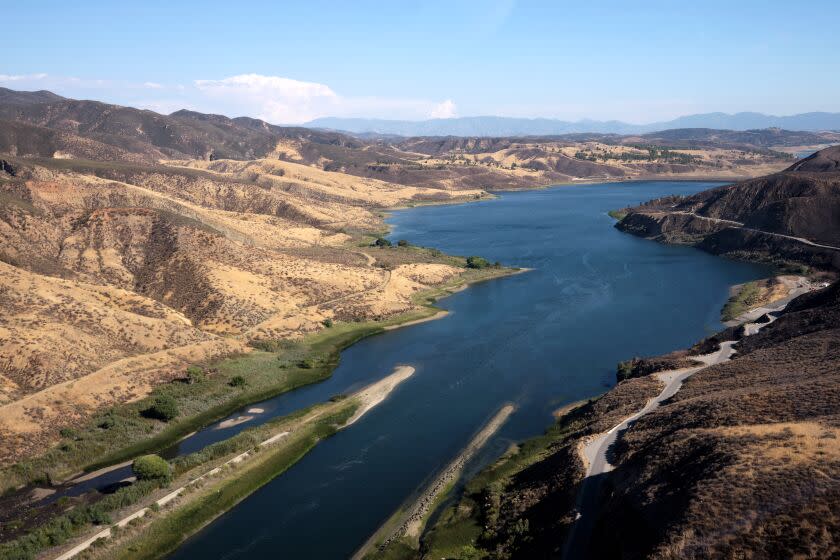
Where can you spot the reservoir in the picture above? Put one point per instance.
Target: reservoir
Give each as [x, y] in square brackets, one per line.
[540, 339]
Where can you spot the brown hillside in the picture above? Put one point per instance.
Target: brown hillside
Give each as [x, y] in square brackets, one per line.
[802, 201]
[117, 275]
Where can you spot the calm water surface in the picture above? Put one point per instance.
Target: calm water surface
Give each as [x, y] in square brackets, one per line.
[539, 339]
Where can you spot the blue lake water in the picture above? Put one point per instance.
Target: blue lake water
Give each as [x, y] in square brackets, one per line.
[540, 339]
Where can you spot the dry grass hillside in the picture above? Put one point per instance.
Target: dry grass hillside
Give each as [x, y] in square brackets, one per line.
[114, 276]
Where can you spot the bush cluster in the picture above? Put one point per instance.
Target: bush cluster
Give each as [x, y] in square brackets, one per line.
[477, 262]
[164, 408]
[151, 467]
[195, 374]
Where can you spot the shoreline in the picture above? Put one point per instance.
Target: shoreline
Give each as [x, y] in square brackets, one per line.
[408, 522]
[362, 401]
[495, 192]
[593, 450]
[172, 434]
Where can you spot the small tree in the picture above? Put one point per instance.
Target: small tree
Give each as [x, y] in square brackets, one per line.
[237, 381]
[164, 408]
[151, 467]
[477, 262]
[382, 242]
[403, 243]
[195, 374]
[327, 323]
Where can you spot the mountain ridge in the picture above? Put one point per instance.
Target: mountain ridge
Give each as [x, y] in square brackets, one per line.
[513, 126]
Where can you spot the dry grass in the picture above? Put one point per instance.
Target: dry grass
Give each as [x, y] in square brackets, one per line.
[120, 275]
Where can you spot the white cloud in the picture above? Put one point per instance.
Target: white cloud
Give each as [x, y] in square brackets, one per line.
[444, 110]
[21, 77]
[272, 98]
[283, 100]
[152, 85]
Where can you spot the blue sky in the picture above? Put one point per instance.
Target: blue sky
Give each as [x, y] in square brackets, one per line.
[292, 61]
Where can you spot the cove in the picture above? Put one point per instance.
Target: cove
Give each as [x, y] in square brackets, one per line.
[540, 339]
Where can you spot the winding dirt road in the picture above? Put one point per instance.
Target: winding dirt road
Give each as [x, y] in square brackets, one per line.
[596, 450]
[739, 225]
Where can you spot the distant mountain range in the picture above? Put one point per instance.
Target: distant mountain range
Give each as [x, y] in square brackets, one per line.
[508, 126]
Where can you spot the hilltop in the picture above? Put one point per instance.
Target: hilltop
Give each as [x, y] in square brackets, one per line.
[41, 124]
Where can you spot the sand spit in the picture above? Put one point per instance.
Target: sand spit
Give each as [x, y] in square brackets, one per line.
[438, 315]
[234, 422]
[414, 524]
[374, 394]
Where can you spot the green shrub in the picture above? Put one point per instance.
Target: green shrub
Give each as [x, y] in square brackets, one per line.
[98, 515]
[195, 374]
[477, 262]
[382, 242]
[237, 381]
[270, 345]
[327, 323]
[151, 467]
[164, 408]
[306, 364]
[107, 422]
[68, 433]
[403, 243]
[624, 370]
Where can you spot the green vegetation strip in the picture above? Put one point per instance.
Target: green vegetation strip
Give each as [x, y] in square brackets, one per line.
[746, 298]
[59, 529]
[124, 431]
[617, 214]
[165, 533]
